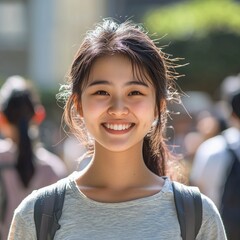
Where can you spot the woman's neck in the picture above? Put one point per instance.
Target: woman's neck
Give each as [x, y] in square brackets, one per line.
[117, 170]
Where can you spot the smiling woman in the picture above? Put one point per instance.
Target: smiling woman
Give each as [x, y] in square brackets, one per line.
[143, 63]
[118, 87]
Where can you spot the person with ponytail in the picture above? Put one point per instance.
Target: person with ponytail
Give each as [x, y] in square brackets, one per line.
[116, 97]
[22, 168]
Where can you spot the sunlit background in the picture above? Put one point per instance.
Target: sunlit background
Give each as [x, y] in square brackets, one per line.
[38, 39]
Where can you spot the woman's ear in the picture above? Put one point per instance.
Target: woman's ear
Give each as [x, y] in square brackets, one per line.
[156, 111]
[78, 106]
[161, 107]
[79, 109]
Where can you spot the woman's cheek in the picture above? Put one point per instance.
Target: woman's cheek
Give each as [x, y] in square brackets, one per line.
[94, 107]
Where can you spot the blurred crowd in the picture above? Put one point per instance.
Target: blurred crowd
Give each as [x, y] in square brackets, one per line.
[208, 137]
[200, 131]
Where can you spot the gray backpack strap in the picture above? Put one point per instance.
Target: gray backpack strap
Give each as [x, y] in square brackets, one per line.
[188, 204]
[48, 210]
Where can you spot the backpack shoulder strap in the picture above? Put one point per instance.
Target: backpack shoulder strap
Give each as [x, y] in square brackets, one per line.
[188, 204]
[48, 210]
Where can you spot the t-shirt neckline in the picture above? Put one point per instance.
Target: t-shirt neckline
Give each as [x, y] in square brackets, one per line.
[139, 201]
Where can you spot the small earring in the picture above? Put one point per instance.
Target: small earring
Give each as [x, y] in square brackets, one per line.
[155, 122]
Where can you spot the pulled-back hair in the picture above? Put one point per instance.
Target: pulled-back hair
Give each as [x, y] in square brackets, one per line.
[110, 38]
[17, 105]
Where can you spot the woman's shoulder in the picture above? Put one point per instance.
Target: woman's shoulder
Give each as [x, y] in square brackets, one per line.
[209, 208]
[211, 224]
[23, 220]
[27, 204]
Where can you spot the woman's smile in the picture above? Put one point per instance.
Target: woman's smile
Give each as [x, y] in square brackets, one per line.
[118, 128]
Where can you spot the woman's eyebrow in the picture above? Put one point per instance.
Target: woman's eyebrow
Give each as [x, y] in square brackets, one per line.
[105, 82]
[99, 82]
[135, 82]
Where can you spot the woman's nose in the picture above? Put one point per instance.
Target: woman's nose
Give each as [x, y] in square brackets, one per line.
[118, 107]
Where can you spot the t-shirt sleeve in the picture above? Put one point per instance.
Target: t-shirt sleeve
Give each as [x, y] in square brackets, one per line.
[212, 227]
[20, 229]
[22, 225]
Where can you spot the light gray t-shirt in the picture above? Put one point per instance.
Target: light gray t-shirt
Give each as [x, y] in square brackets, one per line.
[150, 218]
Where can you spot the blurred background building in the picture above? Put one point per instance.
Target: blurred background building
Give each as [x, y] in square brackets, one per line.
[39, 37]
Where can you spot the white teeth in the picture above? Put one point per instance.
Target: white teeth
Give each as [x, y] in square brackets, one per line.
[117, 127]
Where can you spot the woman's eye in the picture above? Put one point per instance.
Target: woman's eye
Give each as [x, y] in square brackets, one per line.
[135, 93]
[101, 92]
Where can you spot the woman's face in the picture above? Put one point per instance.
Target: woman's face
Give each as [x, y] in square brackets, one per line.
[117, 108]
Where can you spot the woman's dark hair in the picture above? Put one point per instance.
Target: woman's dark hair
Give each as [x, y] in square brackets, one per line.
[110, 38]
[17, 106]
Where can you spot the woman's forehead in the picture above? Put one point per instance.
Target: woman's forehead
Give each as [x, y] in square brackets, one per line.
[119, 64]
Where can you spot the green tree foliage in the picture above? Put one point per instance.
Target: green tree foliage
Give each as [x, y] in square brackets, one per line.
[204, 32]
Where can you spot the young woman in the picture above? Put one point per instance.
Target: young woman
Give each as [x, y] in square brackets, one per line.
[119, 85]
[24, 165]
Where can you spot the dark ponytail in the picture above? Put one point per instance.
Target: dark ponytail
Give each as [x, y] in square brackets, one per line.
[25, 166]
[19, 110]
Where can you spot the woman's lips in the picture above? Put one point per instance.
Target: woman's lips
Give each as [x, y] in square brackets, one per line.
[118, 127]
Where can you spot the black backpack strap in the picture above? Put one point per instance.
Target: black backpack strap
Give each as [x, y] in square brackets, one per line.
[188, 204]
[230, 199]
[48, 210]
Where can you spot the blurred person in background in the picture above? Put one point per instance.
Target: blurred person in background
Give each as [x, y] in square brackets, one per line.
[24, 164]
[193, 122]
[208, 124]
[184, 119]
[216, 166]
